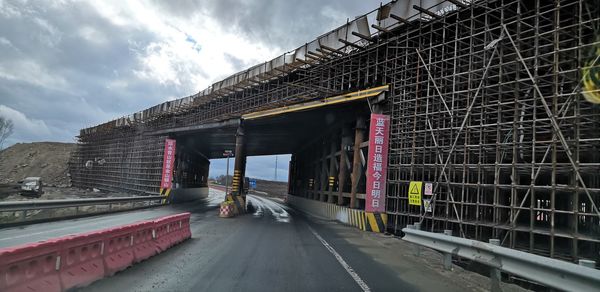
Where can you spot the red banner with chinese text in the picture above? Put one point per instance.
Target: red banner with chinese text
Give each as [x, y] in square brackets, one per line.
[168, 164]
[377, 163]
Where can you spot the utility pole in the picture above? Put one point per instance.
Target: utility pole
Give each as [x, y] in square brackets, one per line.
[275, 167]
[228, 154]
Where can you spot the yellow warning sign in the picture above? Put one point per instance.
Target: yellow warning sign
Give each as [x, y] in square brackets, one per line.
[414, 193]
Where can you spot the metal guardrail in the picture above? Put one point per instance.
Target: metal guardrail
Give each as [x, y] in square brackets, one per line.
[546, 271]
[32, 205]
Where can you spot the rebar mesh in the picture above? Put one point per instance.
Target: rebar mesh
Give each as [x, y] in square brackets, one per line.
[484, 100]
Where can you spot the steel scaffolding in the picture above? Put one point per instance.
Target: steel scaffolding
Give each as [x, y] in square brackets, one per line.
[486, 103]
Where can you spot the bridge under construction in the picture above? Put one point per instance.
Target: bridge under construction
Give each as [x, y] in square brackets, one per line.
[492, 107]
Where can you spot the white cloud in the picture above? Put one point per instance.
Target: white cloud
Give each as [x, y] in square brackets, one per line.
[191, 54]
[5, 42]
[25, 127]
[70, 64]
[93, 35]
[8, 10]
[33, 73]
[49, 35]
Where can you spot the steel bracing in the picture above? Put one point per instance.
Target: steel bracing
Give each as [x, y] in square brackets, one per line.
[486, 99]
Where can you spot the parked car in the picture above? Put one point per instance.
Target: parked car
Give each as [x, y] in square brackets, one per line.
[31, 187]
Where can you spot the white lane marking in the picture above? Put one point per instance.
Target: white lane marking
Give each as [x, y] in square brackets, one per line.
[342, 262]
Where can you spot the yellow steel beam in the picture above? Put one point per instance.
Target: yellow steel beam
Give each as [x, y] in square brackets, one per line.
[352, 96]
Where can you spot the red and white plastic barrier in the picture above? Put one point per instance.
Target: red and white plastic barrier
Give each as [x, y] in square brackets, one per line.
[30, 267]
[143, 242]
[118, 249]
[78, 260]
[81, 259]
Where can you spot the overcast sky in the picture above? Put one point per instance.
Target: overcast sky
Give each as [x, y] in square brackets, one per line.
[66, 65]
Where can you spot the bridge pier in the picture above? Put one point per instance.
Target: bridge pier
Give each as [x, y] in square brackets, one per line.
[239, 171]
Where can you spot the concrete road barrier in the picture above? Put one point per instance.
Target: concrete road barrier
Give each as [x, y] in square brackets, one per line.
[353, 217]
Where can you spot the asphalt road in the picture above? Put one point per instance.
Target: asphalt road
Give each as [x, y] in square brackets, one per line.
[42, 231]
[273, 249]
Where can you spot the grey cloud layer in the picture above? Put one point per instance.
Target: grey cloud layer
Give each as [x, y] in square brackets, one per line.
[65, 66]
[283, 24]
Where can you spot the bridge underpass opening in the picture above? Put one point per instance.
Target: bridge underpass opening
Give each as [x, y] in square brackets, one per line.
[320, 138]
[263, 169]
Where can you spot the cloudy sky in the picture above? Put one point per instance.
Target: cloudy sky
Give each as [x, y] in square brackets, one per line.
[66, 65]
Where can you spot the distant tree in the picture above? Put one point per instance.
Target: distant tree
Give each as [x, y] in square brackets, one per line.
[6, 129]
[222, 178]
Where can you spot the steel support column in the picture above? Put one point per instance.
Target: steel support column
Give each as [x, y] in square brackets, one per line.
[359, 135]
[331, 178]
[323, 181]
[343, 171]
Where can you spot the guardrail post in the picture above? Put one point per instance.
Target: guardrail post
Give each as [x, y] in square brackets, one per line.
[417, 226]
[495, 275]
[587, 263]
[447, 260]
[19, 210]
[552, 273]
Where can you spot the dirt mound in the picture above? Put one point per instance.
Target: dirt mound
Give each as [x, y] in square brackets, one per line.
[47, 160]
[273, 188]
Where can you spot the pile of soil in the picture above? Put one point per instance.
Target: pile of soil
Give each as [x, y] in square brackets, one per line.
[48, 160]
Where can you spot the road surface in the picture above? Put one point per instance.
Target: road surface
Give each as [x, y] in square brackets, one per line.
[42, 231]
[272, 249]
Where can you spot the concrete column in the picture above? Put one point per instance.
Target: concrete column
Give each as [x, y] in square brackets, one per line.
[240, 163]
[359, 136]
[343, 172]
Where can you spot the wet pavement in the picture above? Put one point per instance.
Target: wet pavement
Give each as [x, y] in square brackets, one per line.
[273, 248]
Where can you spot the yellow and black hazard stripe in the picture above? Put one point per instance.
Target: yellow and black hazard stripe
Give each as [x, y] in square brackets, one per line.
[331, 182]
[239, 203]
[375, 222]
[235, 184]
[165, 193]
[356, 218]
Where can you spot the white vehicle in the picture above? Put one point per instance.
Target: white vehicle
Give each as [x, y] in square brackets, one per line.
[31, 186]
